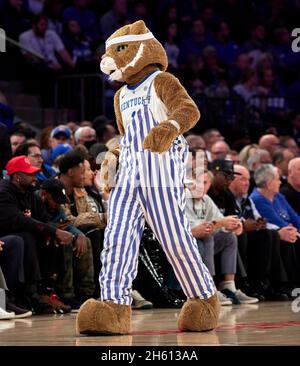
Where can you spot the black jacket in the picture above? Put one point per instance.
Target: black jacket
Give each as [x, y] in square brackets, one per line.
[14, 203]
[224, 200]
[292, 196]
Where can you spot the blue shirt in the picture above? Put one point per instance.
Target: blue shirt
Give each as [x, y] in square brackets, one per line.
[277, 212]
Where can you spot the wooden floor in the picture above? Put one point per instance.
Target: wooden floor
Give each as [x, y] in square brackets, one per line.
[269, 323]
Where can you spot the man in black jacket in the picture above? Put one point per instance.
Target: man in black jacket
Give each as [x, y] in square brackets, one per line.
[22, 213]
[291, 190]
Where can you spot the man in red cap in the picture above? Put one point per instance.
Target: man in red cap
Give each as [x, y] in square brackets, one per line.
[22, 213]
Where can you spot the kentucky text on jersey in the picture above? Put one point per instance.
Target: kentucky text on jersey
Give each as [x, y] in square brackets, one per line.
[134, 102]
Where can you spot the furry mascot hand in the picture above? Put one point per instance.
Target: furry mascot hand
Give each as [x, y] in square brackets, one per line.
[160, 137]
[109, 168]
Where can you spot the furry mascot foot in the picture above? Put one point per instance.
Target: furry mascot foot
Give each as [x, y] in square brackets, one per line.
[198, 315]
[98, 317]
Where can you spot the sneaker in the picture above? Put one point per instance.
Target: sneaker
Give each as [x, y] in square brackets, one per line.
[19, 312]
[40, 307]
[238, 297]
[5, 315]
[138, 302]
[224, 300]
[73, 303]
[57, 304]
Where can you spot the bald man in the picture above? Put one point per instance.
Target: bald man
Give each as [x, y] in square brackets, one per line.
[269, 142]
[219, 150]
[291, 190]
[195, 142]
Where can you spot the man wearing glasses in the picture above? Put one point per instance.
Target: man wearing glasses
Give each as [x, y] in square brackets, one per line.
[34, 155]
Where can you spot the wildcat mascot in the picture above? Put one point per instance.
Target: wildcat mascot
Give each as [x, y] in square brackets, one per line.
[153, 110]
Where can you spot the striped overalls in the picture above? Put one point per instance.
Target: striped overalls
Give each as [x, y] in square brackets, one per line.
[148, 186]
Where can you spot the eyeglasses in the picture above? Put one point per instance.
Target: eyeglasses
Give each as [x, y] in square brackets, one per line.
[36, 156]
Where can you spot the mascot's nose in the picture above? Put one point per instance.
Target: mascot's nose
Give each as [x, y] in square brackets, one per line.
[107, 65]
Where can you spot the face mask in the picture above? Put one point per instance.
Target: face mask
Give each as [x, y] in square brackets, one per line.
[88, 144]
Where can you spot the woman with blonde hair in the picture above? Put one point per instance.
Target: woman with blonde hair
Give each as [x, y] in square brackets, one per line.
[246, 152]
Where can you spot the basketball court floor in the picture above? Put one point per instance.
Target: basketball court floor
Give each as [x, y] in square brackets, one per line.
[268, 323]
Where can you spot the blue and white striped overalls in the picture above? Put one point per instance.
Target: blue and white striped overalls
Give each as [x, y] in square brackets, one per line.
[148, 186]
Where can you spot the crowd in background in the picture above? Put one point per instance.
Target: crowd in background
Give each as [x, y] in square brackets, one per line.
[243, 208]
[222, 49]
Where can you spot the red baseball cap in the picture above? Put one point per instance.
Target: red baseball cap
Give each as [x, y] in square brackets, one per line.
[20, 164]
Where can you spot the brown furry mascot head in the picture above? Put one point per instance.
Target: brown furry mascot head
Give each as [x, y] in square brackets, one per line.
[131, 52]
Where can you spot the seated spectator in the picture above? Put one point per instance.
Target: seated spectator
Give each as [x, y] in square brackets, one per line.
[75, 281]
[58, 135]
[53, 10]
[257, 43]
[22, 213]
[210, 137]
[247, 88]
[96, 150]
[171, 45]
[296, 128]
[16, 139]
[45, 58]
[227, 49]
[246, 152]
[275, 209]
[79, 47]
[57, 152]
[241, 64]
[85, 136]
[84, 16]
[290, 143]
[46, 43]
[291, 189]
[113, 19]
[11, 262]
[14, 19]
[223, 175]
[33, 153]
[195, 142]
[233, 156]
[193, 45]
[94, 197]
[4, 315]
[256, 160]
[36, 6]
[105, 132]
[79, 210]
[206, 221]
[281, 159]
[261, 253]
[219, 150]
[269, 142]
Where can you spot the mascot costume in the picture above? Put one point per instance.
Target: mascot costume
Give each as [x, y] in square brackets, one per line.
[152, 110]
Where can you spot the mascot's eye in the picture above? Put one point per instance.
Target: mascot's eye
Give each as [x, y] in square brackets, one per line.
[122, 47]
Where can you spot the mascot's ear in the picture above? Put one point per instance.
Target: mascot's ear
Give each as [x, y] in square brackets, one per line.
[138, 27]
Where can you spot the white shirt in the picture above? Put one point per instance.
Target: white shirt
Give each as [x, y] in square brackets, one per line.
[46, 46]
[200, 211]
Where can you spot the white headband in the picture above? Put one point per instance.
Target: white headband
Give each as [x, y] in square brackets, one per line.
[129, 38]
